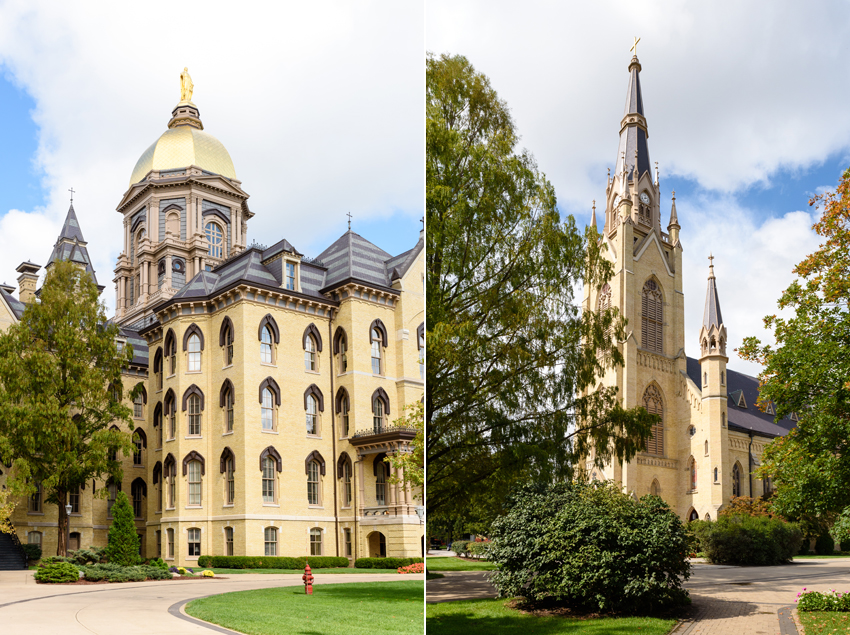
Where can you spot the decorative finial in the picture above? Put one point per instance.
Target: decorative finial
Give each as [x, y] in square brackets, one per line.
[71, 190]
[349, 221]
[710, 266]
[186, 85]
[674, 195]
[634, 46]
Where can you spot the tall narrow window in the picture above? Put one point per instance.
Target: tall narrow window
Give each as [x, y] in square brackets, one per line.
[228, 541]
[194, 416]
[194, 542]
[137, 406]
[693, 470]
[228, 346]
[74, 499]
[159, 493]
[347, 539]
[655, 405]
[312, 416]
[290, 276]
[137, 453]
[315, 542]
[378, 415]
[158, 543]
[266, 346]
[381, 483]
[736, 480]
[214, 236]
[111, 496]
[420, 341]
[313, 483]
[228, 411]
[267, 409]
[346, 484]
[652, 318]
[231, 483]
[194, 353]
[376, 352]
[169, 534]
[343, 355]
[136, 491]
[310, 354]
[172, 486]
[194, 483]
[270, 538]
[268, 480]
[172, 419]
[343, 416]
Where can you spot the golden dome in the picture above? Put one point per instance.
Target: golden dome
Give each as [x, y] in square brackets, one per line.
[181, 147]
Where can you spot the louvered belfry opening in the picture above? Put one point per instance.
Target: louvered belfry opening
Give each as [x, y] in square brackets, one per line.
[652, 320]
[654, 405]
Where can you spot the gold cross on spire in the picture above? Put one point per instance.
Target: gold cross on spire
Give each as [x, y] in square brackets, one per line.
[634, 46]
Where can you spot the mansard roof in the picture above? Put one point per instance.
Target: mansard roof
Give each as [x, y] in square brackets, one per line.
[140, 346]
[352, 258]
[749, 419]
[16, 305]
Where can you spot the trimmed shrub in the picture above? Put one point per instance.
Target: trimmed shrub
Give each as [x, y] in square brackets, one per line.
[159, 563]
[461, 547]
[95, 575]
[750, 540]
[205, 561]
[54, 560]
[824, 545]
[57, 572]
[208, 574]
[33, 551]
[91, 555]
[590, 546]
[479, 549]
[326, 562]
[384, 563]
[117, 576]
[156, 573]
[123, 547]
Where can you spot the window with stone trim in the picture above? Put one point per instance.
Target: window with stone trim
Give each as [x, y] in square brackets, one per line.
[267, 410]
[314, 483]
[654, 404]
[692, 470]
[736, 480]
[652, 317]
[376, 352]
[194, 542]
[194, 355]
[315, 541]
[346, 484]
[269, 489]
[194, 413]
[215, 238]
[228, 541]
[169, 535]
[230, 482]
[312, 415]
[194, 478]
[310, 359]
[270, 540]
[381, 470]
[266, 346]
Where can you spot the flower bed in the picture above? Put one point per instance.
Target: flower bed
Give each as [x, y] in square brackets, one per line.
[416, 567]
[831, 600]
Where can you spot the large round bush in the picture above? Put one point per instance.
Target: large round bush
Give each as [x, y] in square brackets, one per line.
[592, 547]
[749, 540]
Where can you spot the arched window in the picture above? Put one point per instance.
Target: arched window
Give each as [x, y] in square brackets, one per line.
[34, 505]
[705, 379]
[768, 486]
[270, 539]
[715, 475]
[654, 404]
[194, 474]
[341, 348]
[172, 224]
[138, 490]
[112, 494]
[342, 406]
[140, 440]
[266, 348]
[157, 367]
[171, 351]
[159, 483]
[654, 489]
[376, 351]
[380, 481]
[226, 400]
[225, 340]
[215, 238]
[693, 515]
[227, 465]
[313, 483]
[171, 414]
[315, 541]
[344, 472]
[194, 413]
[267, 409]
[269, 490]
[194, 353]
[722, 378]
[692, 468]
[736, 480]
[312, 416]
[706, 447]
[723, 419]
[170, 468]
[652, 318]
[194, 542]
[310, 354]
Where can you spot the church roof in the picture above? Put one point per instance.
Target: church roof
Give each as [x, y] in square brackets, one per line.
[749, 419]
[70, 244]
[712, 316]
[633, 135]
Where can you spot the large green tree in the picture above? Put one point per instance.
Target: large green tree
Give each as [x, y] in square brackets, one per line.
[807, 372]
[513, 361]
[61, 392]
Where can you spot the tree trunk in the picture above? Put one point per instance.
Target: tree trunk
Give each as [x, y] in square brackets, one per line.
[62, 543]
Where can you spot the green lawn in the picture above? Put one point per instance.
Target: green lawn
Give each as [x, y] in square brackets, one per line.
[484, 617]
[442, 563]
[813, 556]
[334, 609]
[824, 622]
[433, 576]
[298, 571]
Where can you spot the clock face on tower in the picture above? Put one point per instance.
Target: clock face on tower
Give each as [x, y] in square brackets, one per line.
[644, 198]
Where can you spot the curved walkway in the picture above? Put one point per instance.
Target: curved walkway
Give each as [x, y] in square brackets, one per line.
[134, 608]
[726, 600]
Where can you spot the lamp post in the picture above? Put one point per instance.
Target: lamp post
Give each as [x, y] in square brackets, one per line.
[420, 511]
[68, 509]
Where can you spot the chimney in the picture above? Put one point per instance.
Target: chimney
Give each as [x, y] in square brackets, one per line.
[27, 281]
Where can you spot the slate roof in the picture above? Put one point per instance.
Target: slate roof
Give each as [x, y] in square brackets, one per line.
[632, 136]
[16, 305]
[70, 244]
[140, 346]
[71, 228]
[352, 257]
[712, 316]
[749, 419]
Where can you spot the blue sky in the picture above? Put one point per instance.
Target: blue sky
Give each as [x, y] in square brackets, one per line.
[318, 120]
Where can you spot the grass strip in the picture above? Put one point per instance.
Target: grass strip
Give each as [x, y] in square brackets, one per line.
[441, 563]
[824, 622]
[301, 571]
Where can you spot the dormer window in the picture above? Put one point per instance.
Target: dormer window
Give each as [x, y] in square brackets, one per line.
[289, 280]
[215, 237]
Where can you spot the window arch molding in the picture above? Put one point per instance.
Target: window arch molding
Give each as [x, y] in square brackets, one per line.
[270, 383]
[193, 456]
[143, 392]
[142, 436]
[171, 343]
[420, 336]
[272, 453]
[157, 414]
[157, 472]
[168, 462]
[226, 386]
[226, 324]
[226, 454]
[313, 389]
[339, 335]
[377, 324]
[379, 460]
[169, 396]
[139, 483]
[269, 321]
[343, 460]
[312, 331]
[157, 360]
[193, 329]
[315, 455]
[341, 397]
[193, 390]
[652, 316]
[381, 394]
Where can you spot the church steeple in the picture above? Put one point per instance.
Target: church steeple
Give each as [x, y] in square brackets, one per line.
[712, 335]
[70, 245]
[633, 130]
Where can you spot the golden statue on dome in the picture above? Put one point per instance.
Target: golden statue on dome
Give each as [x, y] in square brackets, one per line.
[186, 85]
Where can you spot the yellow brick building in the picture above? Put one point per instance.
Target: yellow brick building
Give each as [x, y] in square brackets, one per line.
[272, 380]
[712, 435]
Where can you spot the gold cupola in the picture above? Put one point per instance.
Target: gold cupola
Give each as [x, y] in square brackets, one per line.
[185, 143]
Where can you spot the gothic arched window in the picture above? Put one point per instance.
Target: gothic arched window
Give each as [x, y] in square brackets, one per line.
[736, 479]
[652, 320]
[654, 404]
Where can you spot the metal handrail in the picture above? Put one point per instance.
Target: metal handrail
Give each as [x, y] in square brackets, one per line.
[382, 430]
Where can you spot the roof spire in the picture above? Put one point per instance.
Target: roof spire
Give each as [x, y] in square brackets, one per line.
[593, 215]
[633, 131]
[712, 316]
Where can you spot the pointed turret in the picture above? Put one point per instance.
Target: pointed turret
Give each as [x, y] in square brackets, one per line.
[633, 132]
[70, 245]
[593, 217]
[673, 226]
[712, 335]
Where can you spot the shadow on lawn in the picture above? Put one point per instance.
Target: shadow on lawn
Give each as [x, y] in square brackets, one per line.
[471, 624]
[360, 591]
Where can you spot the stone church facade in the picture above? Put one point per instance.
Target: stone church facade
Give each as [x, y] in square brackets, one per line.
[271, 380]
[711, 434]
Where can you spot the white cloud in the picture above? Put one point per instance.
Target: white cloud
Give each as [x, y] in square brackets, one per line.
[320, 105]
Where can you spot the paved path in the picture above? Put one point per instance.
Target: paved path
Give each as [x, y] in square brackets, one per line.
[726, 600]
[135, 608]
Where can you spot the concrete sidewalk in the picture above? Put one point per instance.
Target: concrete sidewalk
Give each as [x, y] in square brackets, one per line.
[135, 608]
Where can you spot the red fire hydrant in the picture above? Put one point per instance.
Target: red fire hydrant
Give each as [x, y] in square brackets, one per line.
[308, 580]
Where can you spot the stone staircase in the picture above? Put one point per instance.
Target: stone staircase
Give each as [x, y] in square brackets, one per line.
[12, 556]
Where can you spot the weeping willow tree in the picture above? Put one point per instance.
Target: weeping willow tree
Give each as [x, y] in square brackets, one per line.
[512, 359]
